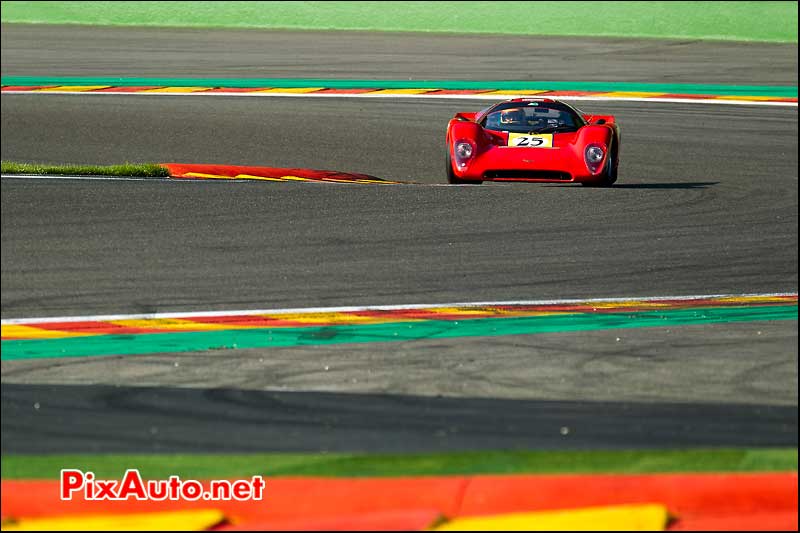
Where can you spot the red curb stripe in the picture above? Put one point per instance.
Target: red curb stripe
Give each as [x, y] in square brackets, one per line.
[717, 97]
[690, 496]
[463, 91]
[682, 493]
[131, 89]
[405, 520]
[285, 499]
[556, 94]
[256, 322]
[24, 87]
[424, 314]
[346, 91]
[237, 89]
[690, 96]
[782, 100]
[95, 328]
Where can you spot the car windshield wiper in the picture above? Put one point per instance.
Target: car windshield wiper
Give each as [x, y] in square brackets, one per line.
[553, 129]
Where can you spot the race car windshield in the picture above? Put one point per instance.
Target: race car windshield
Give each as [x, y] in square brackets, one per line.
[527, 118]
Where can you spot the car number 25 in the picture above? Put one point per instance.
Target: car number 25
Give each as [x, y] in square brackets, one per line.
[530, 141]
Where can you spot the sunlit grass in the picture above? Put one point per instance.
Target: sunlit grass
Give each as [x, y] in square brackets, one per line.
[209, 466]
[139, 170]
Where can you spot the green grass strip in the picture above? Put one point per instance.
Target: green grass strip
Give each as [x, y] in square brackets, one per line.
[386, 332]
[139, 170]
[746, 21]
[209, 466]
[286, 83]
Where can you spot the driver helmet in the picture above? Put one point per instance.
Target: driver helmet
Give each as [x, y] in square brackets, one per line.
[512, 116]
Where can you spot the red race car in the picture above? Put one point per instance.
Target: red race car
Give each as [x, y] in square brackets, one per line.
[533, 139]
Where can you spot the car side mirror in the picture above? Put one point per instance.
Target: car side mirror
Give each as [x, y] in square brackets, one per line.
[601, 121]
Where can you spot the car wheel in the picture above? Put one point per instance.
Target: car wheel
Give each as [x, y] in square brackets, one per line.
[452, 179]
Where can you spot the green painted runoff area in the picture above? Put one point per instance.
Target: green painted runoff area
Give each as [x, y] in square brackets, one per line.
[216, 466]
[602, 86]
[386, 332]
[744, 21]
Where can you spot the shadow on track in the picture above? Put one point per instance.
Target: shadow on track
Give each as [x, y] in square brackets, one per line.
[684, 185]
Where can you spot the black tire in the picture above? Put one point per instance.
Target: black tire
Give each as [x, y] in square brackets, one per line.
[452, 179]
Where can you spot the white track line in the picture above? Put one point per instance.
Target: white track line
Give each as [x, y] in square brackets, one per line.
[441, 96]
[200, 314]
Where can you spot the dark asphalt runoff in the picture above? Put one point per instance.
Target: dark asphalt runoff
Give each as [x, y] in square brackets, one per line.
[706, 203]
[162, 419]
[36, 50]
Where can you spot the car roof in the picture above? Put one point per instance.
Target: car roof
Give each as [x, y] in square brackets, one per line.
[541, 99]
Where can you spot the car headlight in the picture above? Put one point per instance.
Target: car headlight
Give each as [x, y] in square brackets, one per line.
[594, 156]
[463, 150]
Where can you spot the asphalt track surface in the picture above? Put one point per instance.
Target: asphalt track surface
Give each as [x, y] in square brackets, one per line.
[706, 203]
[30, 50]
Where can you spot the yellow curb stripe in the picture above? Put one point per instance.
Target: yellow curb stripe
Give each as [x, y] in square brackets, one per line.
[518, 93]
[262, 178]
[626, 94]
[499, 311]
[543, 313]
[524, 312]
[647, 517]
[339, 181]
[291, 90]
[177, 90]
[748, 98]
[615, 305]
[401, 91]
[282, 178]
[14, 331]
[493, 311]
[752, 299]
[637, 306]
[72, 88]
[460, 311]
[164, 521]
[355, 180]
[172, 324]
[295, 178]
[387, 319]
[207, 176]
[376, 181]
[330, 318]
